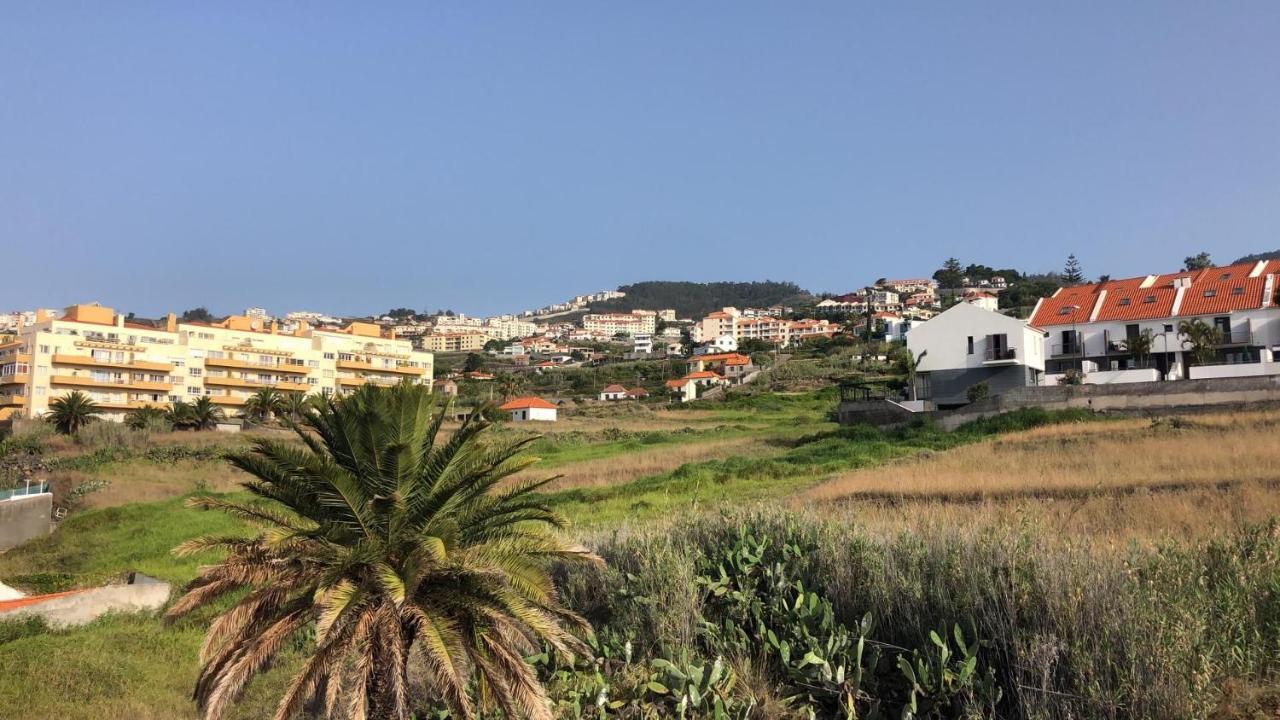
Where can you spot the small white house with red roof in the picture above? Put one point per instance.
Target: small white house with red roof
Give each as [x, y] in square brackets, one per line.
[613, 392]
[523, 409]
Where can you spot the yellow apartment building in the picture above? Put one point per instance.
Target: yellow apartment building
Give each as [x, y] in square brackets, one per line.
[124, 365]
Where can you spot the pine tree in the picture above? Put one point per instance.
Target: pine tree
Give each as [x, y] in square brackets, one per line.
[1197, 262]
[1071, 274]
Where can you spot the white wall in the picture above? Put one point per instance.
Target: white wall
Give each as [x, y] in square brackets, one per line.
[945, 338]
[1203, 372]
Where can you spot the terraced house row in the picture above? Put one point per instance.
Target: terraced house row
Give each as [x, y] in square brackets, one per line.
[125, 365]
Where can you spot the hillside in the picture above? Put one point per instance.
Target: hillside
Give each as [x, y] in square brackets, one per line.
[693, 299]
[1268, 255]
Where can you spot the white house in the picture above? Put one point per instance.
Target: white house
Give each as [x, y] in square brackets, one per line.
[530, 408]
[721, 344]
[642, 343]
[613, 392]
[967, 345]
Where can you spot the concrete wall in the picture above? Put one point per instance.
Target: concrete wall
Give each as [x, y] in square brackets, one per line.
[1205, 372]
[82, 607]
[1109, 377]
[23, 518]
[1136, 398]
[951, 387]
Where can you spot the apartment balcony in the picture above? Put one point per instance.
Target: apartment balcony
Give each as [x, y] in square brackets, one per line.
[1000, 356]
[88, 361]
[13, 401]
[1061, 350]
[20, 379]
[121, 384]
[246, 365]
[1230, 338]
[131, 405]
[254, 383]
[370, 367]
[358, 381]
[233, 400]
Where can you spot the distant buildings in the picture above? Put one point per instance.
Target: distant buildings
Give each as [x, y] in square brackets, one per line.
[454, 342]
[611, 324]
[741, 325]
[124, 365]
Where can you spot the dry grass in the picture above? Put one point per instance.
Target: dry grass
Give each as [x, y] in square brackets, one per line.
[1122, 480]
[1078, 460]
[633, 466]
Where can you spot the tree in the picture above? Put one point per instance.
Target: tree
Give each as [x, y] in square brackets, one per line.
[494, 345]
[72, 411]
[199, 314]
[950, 275]
[1140, 345]
[402, 552]
[295, 404]
[202, 414]
[1203, 339]
[508, 384]
[473, 363]
[1072, 274]
[264, 404]
[1199, 261]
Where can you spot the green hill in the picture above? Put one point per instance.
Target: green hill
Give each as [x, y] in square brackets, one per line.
[693, 299]
[1269, 255]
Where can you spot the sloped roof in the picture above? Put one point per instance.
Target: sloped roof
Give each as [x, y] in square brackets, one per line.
[528, 403]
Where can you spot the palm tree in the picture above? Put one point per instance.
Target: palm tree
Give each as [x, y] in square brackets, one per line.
[1140, 345]
[508, 384]
[264, 404]
[202, 414]
[72, 411]
[391, 545]
[1203, 339]
[295, 404]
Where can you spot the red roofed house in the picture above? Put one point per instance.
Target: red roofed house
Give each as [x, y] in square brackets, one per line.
[1094, 326]
[731, 366]
[613, 392]
[530, 408]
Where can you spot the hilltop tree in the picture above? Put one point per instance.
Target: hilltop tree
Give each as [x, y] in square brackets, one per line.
[199, 314]
[1198, 261]
[1072, 274]
[407, 563]
[473, 363]
[950, 275]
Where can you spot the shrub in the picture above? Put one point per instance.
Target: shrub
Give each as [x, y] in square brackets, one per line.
[1072, 377]
[978, 391]
[107, 434]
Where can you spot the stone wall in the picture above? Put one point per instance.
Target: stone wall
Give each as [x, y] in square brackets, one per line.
[23, 518]
[1130, 398]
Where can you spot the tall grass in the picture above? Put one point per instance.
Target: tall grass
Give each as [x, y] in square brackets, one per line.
[1073, 630]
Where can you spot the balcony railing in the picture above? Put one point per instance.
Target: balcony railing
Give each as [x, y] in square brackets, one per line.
[1067, 350]
[1235, 337]
[1000, 354]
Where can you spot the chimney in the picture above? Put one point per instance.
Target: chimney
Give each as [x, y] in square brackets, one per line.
[171, 323]
[119, 320]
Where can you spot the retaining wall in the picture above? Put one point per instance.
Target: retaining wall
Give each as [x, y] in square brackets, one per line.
[24, 517]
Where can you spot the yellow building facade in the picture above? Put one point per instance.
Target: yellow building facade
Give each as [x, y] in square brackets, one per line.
[124, 365]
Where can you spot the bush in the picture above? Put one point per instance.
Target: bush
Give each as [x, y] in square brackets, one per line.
[1072, 377]
[969, 623]
[105, 434]
[979, 391]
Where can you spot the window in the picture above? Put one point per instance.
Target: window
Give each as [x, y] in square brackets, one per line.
[1064, 311]
[1237, 290]
[1210, 293]
[193, 391]
[1168, 328]
[328, 356]
[970, 344]
[1225, 276]
[195, 372]
[313, 363]
[1149, 299]
[44, 349]
[1123, 301]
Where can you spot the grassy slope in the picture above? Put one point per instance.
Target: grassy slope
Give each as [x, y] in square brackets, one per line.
[136, 667]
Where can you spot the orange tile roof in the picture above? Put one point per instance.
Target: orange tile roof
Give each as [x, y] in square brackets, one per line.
[614, 389]
[527, 403]
[1211, 290]
[727, 358]
[7, 605]
[701, 375]
[676, 384]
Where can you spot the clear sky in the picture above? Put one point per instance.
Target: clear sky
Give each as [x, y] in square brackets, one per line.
[489, 157]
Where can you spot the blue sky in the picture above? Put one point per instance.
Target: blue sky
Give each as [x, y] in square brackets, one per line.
[490, 157]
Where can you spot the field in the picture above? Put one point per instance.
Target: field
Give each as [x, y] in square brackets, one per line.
[1110, 567]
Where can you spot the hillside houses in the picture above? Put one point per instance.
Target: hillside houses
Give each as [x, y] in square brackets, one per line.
[740, 325]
